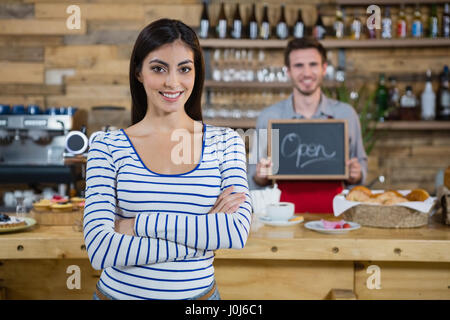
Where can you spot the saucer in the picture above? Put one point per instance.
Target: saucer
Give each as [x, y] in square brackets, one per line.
[318, 226]
[280, 223]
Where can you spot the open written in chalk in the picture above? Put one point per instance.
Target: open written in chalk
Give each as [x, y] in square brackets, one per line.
[308, 149]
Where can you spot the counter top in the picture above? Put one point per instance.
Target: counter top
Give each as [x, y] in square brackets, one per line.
[430, 243]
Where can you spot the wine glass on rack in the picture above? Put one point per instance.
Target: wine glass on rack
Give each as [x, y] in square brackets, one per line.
[227, 71]
[236, 105]
[21, 210]
[250, 67]
[261, 70]
[216, 65]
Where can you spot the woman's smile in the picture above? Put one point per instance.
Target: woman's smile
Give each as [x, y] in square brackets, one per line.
[171, 96]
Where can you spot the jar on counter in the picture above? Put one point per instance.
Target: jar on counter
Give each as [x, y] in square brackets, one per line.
[409, 110]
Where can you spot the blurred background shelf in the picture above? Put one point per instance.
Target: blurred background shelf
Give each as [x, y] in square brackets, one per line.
[388, 125]
[327, 43]
[386, 2]
[247, 85]
[414, 125]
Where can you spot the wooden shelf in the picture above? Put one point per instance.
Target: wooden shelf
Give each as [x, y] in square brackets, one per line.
[386, 43]
[247, 85]
[386, 2]
[327, 43]
[389, 125]
[243, 43]
[259, 85]
[414, 125]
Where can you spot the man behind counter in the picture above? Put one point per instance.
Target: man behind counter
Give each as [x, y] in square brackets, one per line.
[306, 62]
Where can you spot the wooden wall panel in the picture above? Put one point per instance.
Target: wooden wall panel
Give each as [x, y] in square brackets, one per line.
[38, 27]
[30, 54]
[190, 14]
[106, 67]
[10, 10]
[21, 72]
[22, 99]
[78, 56]
[96, 79]
[120, 91]
[120, 1]
[87, 102]
[30, 89]
[90, 11]
[30, 41]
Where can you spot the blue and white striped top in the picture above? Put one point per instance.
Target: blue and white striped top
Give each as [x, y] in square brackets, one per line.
[172, 255]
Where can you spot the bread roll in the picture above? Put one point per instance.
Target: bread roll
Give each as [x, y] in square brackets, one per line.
[357, 195]
[417, 195]
[394, 200]
[447, 178]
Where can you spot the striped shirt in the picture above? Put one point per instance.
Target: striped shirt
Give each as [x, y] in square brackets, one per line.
[172, 254]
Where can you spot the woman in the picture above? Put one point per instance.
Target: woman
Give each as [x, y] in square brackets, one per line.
[157, 208]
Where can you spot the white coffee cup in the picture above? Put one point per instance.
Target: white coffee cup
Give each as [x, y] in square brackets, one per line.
[280, 211]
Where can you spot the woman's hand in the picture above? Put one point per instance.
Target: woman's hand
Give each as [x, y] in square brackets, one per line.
[355, 173]
[125, 226]
[263, 169]
[227, 202]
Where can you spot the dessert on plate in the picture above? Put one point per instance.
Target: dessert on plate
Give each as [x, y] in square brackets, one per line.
[10, 222]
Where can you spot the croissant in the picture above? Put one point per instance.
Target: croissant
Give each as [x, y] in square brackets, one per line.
[417, 195]
[389, 197]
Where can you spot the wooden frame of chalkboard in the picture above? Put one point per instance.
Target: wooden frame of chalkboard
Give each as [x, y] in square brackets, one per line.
[330, 166]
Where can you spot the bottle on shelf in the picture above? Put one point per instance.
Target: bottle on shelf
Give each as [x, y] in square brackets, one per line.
[428, 100]
[356, 27]
[222, 24]
[443, 96]
[236, 32]
[446, 21]
[339, 24]
[299, 26]
[393, 100]
[401, 23]
[282, 27]
[265, 24]
[330, 71]
[319, 28]
[204, 22]
[417, 26]
[253, 24]
[386, 24]
[408, 105]
[381, 99]
[433, 27]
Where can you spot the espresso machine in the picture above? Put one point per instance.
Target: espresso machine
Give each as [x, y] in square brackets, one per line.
[32, 145]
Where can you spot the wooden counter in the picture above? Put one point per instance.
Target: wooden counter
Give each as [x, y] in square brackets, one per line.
[276, 263]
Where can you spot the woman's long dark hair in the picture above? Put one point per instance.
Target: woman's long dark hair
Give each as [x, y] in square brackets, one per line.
[153, 36]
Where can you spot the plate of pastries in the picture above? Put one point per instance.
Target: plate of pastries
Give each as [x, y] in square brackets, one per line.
[387, 198]
[59, 204]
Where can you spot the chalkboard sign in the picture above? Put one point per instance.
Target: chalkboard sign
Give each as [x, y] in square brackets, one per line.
[308, 149]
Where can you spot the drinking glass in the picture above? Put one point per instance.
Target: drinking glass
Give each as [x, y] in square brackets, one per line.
[21, 210]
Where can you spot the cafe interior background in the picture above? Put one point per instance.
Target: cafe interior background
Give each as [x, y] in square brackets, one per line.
[75, 80]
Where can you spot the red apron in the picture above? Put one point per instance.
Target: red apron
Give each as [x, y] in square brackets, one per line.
[310, 196]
